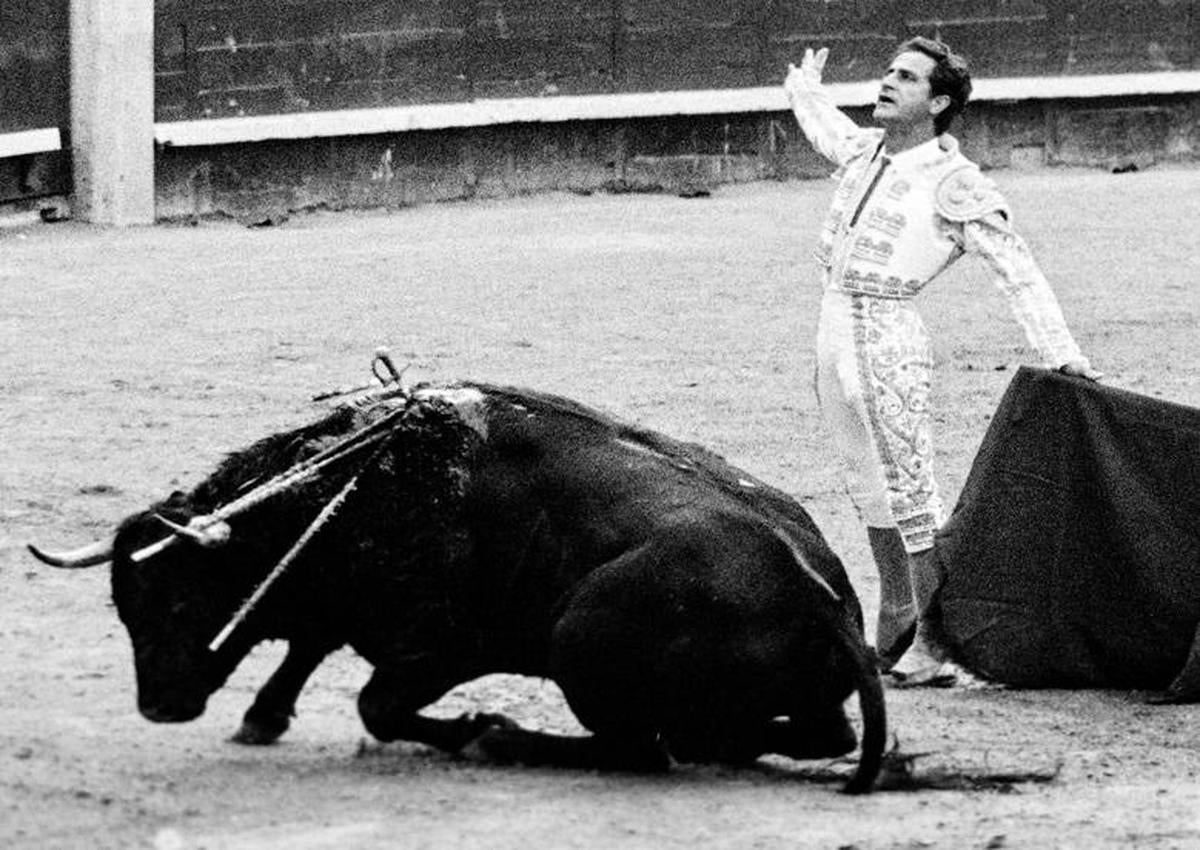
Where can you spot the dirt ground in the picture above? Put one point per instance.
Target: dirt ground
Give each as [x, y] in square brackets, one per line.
[133, 360]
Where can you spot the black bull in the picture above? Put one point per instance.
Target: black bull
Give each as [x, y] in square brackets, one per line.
[685, 609]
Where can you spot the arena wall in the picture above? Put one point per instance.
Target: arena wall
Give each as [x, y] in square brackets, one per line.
[34, 64]
[230, 58]
[687, 155]
[262, 108]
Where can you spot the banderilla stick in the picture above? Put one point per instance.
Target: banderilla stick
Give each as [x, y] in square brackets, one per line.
[285, 480]
[323, 517]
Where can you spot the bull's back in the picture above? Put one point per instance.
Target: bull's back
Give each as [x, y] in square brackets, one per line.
[615, 484]
[597, 479]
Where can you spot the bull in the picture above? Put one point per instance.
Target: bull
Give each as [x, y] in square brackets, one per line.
[688, 611]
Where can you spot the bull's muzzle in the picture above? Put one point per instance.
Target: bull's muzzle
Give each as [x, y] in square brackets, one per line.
[180, 712]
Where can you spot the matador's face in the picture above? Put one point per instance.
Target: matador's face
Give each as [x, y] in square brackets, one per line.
[905, 96]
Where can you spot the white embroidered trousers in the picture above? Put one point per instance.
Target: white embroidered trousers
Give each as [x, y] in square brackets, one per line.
[873, 380]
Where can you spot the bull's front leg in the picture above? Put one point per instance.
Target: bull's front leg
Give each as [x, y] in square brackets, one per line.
[275, 704]
[390, 703]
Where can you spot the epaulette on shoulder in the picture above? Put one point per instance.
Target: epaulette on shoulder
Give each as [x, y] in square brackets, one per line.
[965, 194]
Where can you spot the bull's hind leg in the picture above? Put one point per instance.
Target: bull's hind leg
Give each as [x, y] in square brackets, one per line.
[709, 693]
[274, 706]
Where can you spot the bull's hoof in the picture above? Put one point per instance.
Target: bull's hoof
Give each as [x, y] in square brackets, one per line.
[259, 732]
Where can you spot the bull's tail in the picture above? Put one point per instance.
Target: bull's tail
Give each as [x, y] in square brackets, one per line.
[870, 689]
[873, 709]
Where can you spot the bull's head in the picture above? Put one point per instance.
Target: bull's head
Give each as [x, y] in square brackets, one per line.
[178, 578]
[172, 605]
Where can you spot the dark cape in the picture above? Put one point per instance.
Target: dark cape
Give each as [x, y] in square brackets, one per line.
[1072, 558]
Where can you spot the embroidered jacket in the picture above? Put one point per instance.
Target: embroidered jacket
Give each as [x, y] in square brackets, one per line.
[897, 221]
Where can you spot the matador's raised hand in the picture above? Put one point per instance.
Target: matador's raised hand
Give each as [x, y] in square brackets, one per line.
[810, 70]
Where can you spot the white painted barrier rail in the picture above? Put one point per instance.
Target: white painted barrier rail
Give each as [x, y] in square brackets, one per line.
[30, 141]
[597, 107]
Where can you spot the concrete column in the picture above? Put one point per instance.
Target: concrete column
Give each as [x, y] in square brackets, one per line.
[112, 111]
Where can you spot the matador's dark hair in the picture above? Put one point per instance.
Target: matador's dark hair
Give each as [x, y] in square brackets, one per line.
[949, 77]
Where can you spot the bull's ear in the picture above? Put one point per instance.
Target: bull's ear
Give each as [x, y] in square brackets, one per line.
[176, 506]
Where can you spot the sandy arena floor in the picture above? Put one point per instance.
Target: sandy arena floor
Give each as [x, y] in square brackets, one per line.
[132, 360]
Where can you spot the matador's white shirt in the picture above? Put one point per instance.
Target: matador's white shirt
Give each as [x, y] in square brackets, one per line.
[896, 221]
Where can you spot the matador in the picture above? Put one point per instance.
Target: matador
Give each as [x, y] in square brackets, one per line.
[908, 204]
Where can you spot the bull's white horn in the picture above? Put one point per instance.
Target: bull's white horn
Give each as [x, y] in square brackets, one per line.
[203, 530]
[85, 556]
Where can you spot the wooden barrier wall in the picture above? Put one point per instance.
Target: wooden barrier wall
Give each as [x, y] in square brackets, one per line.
[34, 64]
[300, 58]
[34, 95]
[221, 58]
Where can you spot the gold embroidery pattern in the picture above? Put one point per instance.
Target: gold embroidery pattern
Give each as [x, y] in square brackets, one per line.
[891, 224]
[873, 251]
[876, 284]
[898, 189]
[851, 175]
[966, 194]
[895, 364]
[1030, 297]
